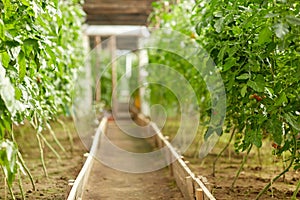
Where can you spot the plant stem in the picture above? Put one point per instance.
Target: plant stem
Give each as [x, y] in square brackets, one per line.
[42, 154]
[242, 165]
[9, 186]
[283, 172]
[222, 151]
[20, 158]
[196, 153]
[283, 165]
[259, 157]
[55, 138]
[50, 146]
[21, 185]
[5, 190]
[294, 197]
[67, 130]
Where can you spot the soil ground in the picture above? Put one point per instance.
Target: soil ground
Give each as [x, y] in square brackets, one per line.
[254, 176]
[251, 181]
[59, 171]
[106, 183]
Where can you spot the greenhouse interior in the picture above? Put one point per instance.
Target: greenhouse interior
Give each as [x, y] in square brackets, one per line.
[150, 99]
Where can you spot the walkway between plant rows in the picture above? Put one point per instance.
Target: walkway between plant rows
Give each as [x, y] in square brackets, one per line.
[107, 183]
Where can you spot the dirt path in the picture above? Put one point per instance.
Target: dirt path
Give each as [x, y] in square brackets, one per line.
[106, 183]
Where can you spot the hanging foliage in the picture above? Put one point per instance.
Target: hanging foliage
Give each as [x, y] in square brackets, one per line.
[40, 54]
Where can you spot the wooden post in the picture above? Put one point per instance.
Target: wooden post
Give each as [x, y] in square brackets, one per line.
[97, 42]
[199, 194]
[112, 47]
[143, 60]
[190, 186]
[207, 185]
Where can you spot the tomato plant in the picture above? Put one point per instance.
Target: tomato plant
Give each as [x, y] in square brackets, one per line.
[255, 45]
[40, 54]
[168, 15]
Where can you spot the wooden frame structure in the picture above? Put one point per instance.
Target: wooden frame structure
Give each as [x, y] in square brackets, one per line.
[117, 12]
[112, 34]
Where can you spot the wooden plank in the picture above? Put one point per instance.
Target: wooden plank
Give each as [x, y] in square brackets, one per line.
[180, 182]
[180, 177]
[130, 5]
[79, 184]
[119, 2]
[117, 12]
[116, 20]
[113, 22]
[181, 169]
[123, 17]
[124, 9]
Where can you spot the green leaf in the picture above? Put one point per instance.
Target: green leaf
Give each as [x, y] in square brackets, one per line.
[5, 59]
[256, 138]
[281, 30]
[258, 84]
[273, 126]
[218, 14]
[25, 2]
[22, 66]
[265, 36]
[252, 137]
[221, 53]
[271, 15]
[219, 25]
[8, 154]
[236, 30]
[7, 91]
[18, 93]
[243, 76]
[293, 20]
[2, 29]
[292, 121]
[244, 90]
[281, 100]
[230, 62]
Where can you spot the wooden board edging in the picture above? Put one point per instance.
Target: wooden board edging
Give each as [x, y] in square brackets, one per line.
[80, 181]
[191, 186]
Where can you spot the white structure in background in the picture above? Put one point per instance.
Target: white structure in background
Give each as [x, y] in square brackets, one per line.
[143, 61]
[112, 32]
[128, 65]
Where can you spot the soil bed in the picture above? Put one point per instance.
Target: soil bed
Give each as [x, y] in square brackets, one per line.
[253, 178]
[59, 171]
